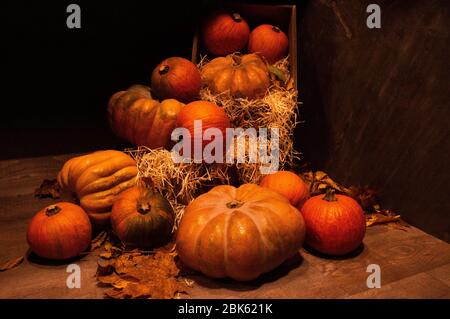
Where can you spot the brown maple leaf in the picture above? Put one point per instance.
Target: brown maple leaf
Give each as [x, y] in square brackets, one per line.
[137, 275]
[49, 189]
[99, 240]
[12, 263]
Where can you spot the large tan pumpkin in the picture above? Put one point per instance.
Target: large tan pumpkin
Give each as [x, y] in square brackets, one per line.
[96, 179]
[136, 117]
[244, 76]
[239, 232]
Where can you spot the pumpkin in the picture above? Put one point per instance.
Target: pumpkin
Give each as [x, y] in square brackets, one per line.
[210, 115]
[335, 224]
[141, 218]
[176, 78]
[269, 41]
[244, 76]
[288, 184]
[96, 179]
[239, 232]
[225, 33]
[136, 117]
[59, 231]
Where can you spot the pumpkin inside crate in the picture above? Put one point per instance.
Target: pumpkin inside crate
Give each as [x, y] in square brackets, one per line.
[283, 17]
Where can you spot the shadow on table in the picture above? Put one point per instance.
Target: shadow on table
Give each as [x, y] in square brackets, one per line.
[350, 255]
[281, 271]
[36, 260]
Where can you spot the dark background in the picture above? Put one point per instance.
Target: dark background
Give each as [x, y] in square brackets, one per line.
[375, 102]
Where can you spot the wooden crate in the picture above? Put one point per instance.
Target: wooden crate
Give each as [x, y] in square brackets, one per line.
[282, 16]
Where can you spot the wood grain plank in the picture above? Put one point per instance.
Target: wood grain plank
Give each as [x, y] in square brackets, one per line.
[441, 273]
[421, 285]
[23, 176]
[39, 280]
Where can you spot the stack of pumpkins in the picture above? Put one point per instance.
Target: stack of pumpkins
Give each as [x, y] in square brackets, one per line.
[227, 232]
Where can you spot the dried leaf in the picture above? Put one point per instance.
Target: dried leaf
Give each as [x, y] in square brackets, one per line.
[374, 219]
[320, 176]
[11, 263]
[367, 197]
[104, 267]
[137, 275]
[108, 279]
[320, 181]
[49, 189]
[99, 240]
[278, 73]
[290, 84]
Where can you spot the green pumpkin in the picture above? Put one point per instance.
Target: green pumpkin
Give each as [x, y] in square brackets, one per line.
[142, 219]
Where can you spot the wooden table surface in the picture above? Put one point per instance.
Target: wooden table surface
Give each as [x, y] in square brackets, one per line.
[413, 264]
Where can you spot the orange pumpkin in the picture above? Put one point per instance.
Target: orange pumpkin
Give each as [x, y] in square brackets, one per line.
[244, 76]
[288, 184]
[176, 78]
[210, 115]
[96, 179]
[239, 232]
[136, 117]
[225, 33]
[335, 224]
[141, 218]
[59, 231]
[269, 41]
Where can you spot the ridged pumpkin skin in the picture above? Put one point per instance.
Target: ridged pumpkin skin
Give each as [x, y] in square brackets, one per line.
[269, 41]
[288, 184]
[224, 33]
[96, 179]
[244, 76]
[335, 224]
[141, 218]
[136, 117]
[176, 78]
[239, 232]
[59, 231]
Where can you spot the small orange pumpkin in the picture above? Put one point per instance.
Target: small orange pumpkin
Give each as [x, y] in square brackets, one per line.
[269, 41]
[141, 218]
[335, 224]
[210, 115]
[176, 78]
[239, 232]
[59, 231]
[136, 117]
[288, 184]
[244, 76]
[225, 33]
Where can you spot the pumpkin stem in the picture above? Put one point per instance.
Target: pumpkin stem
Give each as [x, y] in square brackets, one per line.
[236, 59]
[234, 204]
[236, 17]
[330, 196]
[52, 210]
[276, 29]
[144, 208]
[163, 69]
